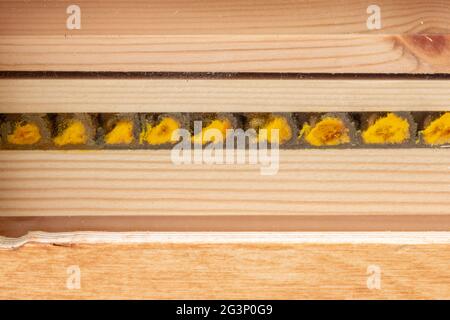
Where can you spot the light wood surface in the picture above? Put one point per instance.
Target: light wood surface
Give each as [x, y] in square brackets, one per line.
[145, 182]
[221, 95]
[189, 237]
[226, 36]
[315, 189]
[194, 17]
[228, 53]
[222, 269]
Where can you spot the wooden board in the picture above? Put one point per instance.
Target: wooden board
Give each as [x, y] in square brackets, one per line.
[226, 36]
[178, 267]
[193, 17]
[234, 53]
[18, 95]
[310, 183]
[315, 190]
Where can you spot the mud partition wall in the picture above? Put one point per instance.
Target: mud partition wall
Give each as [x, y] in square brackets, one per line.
[116, 120]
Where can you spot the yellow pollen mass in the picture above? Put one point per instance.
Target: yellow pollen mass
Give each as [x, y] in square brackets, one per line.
[438, 131]
[327, 132]
[390, 129]
[122, 133]
[221, 125]
[276, 123]
[25, 134]
[161, 133]
[75, 133]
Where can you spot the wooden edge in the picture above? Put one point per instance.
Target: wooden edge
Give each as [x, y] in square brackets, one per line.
[413, 238]
[20, 226]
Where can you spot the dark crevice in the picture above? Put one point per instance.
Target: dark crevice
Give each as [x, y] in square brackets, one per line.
[212, 75]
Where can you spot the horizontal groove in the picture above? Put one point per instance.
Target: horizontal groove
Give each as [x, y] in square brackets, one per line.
[251, 130]
[217, 75]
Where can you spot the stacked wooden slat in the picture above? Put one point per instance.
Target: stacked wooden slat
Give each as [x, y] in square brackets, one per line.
[225, 56]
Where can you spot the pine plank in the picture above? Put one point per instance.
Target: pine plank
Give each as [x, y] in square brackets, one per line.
[230, 17]
[346, 182]
[228, 53]
[226, 36]
[270, 268]
[222, 95]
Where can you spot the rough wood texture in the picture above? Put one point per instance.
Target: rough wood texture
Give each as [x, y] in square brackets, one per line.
[220, 95]
[309, 182]
[101, 237]
[228, 36]
[217, 270]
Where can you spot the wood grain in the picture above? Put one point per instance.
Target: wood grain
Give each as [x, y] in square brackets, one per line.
[102, 237]
[227, 271]
[20, 226]
[314, 190]
[226, 36]
[228, 53]
[193, 17]
[145, 182]
[221, 95]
